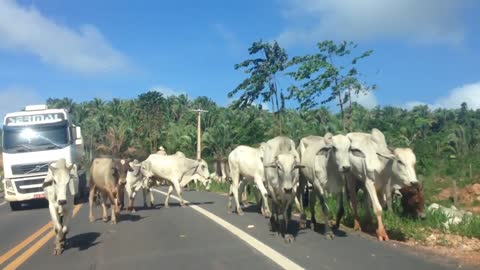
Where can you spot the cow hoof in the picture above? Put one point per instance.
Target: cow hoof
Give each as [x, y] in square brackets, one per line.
[329, 236]
[57, 251]
[91, 219]
[113, 221]
[105, 219]
[183, 205]
[289, 238]
[267, 214]
[167, 206]
[382, 235]
[356, 227]
[240, 213]
[133, 211]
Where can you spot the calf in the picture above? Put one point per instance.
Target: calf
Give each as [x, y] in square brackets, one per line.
[60, 189]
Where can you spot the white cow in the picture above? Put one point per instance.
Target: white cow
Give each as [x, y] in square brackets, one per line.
[246, 165]
[60, 189]
[326, 160]
[281, 161]
[136, 179]
[174, 168]
[376, 166]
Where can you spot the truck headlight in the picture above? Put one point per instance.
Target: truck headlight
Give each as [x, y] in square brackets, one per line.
[8, 185]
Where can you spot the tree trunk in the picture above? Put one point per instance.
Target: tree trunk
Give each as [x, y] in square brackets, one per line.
[340, 103]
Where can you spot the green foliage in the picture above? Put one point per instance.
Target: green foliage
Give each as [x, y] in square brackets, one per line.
[262, 83]
[329, 69]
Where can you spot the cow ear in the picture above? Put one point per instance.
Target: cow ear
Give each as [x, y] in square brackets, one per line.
[387, 156]
[324, 151]
[357, 153]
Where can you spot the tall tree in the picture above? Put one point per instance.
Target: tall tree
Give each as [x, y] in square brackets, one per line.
[262, 85]
[332, 68]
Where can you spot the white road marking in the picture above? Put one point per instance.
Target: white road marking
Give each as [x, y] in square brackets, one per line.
[4, 202]
[273, 255]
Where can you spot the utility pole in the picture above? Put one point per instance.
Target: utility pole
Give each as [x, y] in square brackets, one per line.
[199, 131]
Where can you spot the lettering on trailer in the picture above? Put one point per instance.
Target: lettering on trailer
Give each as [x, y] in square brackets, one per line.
[35, 119]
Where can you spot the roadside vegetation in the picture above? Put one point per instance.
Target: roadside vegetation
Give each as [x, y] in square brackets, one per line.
[300, 96]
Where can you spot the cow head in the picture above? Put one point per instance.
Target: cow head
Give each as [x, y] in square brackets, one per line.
[337, 147]
[286, 166]
[121, 167]
[413, 201]
[403, 167]
[202, 171]
[62, 177]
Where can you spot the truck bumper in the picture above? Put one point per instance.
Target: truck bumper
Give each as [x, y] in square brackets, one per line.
[23, 197]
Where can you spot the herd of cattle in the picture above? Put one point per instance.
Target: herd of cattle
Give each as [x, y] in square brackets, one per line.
[280, 170]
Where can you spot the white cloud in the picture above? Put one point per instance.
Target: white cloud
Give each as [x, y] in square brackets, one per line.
[469, 93]
[425, 21]
[367, 100]
[84, 50]
[167, 91]
[13, 99]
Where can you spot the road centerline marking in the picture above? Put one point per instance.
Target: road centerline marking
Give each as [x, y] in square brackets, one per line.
[24, 243]
[37, 245]
[267, 251]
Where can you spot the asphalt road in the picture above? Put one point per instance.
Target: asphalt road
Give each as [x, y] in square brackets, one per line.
[202, 236]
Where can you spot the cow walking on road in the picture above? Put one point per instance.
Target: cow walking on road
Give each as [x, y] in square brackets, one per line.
[281, 163]
[60, 190]
[107, 175]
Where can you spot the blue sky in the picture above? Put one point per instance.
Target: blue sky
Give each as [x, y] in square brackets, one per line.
[424, 51]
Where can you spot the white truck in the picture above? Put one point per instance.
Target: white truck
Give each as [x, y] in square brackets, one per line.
[32, 139]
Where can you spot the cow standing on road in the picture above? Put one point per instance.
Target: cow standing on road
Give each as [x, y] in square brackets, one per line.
[106, 175]
[377, 167]
[60, 190]
[326, 161]
[246, 165]
[174, 168]
[281, 163]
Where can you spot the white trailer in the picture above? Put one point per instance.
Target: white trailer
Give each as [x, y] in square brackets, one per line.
[32, 139]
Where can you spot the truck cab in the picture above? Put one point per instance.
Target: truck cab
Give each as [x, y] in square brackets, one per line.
[32, 139]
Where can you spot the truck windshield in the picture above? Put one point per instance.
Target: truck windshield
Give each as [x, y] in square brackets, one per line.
[35, 138]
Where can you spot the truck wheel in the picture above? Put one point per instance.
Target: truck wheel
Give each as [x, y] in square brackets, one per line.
[15, 206]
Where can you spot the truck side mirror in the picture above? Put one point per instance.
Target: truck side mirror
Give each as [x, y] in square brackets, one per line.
[78, 133]
[78, 136]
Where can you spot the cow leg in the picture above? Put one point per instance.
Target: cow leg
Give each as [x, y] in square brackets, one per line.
[351, 183]
[242, 192]
[91, 196]
[299, 204]
[340, 210]
[235, 189]
[311, 204]
[178, 189]
[67, 216]
[229, 202]
[104, 207]
[287, 215]
[152, 199]
[377, 209]
[170, 190]
[263, 191]
[320, 193]
[121, 195]
[114, 209]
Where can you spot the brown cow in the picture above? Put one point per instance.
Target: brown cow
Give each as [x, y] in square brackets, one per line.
[108, 176]
[413, 201]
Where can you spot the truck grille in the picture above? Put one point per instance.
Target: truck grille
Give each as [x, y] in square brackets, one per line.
[30, 168]
[37, 181]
